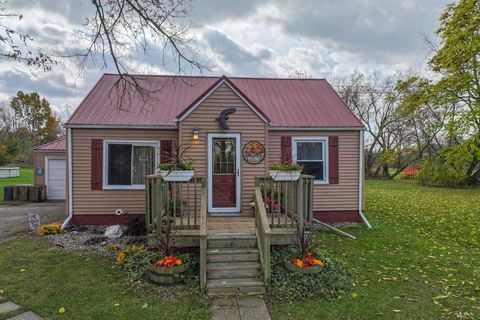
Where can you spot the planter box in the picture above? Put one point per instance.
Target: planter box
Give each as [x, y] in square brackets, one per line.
[177, 175]
[305, 270]
[168, 275]
[285, 175]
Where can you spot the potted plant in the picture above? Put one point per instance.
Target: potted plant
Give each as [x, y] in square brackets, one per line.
[285, 170]
[168, 267]
[303, 260]
[178, 168]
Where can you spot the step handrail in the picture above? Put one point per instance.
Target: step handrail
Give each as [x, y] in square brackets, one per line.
[264, 235]
[203, 237]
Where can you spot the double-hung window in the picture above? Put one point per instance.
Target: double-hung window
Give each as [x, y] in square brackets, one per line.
[126, 163]
[311, 152]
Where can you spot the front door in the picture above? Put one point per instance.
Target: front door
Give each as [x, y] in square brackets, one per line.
[224, 172]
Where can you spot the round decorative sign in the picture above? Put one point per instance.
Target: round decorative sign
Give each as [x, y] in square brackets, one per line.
[253, 152]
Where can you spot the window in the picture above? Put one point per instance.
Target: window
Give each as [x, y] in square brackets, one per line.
[311, 152]
[127, 163]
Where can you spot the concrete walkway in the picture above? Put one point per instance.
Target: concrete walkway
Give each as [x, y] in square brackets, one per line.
[10, 307]
[240, 308]
[13, 218]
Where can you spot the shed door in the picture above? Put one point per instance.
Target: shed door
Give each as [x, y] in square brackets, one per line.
[55, 178]
[224, 173]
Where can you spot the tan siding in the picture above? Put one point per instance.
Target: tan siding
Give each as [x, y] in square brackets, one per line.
[87, 201]
[341, 196]
[39, 162]
[243, 121]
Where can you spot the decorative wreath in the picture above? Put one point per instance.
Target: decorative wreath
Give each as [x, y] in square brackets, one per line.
[253, 152]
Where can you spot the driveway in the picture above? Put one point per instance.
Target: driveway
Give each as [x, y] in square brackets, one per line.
[13, 218]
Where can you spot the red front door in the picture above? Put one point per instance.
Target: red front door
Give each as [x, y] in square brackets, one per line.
[224, 172]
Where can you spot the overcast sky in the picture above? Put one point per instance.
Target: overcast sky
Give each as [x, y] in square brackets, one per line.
[323, 38]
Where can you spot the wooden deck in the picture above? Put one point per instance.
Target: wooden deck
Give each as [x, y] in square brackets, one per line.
[234, 250]
[233, 224]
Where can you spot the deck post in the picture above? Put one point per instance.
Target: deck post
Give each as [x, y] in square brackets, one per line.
[300, 196]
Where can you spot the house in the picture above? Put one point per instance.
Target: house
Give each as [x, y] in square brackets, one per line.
[111, 147]
[49, 162]
[232, 209]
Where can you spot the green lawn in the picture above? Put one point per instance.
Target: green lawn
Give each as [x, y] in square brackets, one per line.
[86, 285]
[26, 176]
[421, 260]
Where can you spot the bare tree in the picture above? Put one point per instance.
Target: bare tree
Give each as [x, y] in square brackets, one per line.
[117, 33]
[17, 45]
[398, 136]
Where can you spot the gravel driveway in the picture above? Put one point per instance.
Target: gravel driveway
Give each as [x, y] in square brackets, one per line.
[13, 218]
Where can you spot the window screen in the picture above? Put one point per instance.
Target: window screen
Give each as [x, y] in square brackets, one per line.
[128, 164]
[311, 155]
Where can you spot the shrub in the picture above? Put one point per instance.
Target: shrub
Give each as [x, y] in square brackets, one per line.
[411, 172]
[136, 227]
[137, 266]
[437, 173]
[288, 286]
[126, 254]
[52, 228]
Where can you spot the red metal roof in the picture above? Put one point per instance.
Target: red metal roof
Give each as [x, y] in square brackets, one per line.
[285, 102]
[56, 145]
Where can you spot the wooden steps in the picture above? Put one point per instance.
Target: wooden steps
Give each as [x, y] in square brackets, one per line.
[233, 264]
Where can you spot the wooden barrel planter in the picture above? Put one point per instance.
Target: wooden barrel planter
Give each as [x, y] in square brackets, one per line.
[305, 270]
[168, 275]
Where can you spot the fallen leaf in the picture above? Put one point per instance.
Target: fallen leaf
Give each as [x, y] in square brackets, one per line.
[145, 305]
[354, 295]
[61, 310]
[116, 305]
[22, 270]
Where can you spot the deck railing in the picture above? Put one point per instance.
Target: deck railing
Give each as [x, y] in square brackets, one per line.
[174, 203]
[287, 203]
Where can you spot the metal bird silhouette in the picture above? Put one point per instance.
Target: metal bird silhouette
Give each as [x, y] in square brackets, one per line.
[223, 117]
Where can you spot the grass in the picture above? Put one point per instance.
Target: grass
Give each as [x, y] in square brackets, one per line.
[26, 177]
[421, 260]
[86, 285]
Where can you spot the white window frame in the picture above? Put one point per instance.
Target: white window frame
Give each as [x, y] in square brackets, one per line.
[106, 186]
[324, 141]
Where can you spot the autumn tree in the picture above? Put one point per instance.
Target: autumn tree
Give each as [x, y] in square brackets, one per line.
[456, 63]
[27, 121]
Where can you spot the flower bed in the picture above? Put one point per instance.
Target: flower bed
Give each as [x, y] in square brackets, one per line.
[307, 265]
[287, 286]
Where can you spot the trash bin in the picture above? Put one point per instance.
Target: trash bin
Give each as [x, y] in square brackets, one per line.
[8, 193]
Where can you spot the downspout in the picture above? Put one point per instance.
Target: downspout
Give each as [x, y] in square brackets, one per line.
[360, 183]
[70, 191]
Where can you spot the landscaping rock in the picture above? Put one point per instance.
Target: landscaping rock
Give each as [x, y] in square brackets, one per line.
[113, 232]
[8, 307]
[29, 315]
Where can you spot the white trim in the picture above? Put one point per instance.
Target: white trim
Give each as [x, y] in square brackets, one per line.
[360, 183]
[118, 126]
[316, 128]
[189, 111]
[238, 179]
[52, 157]
[148, 143]
[324, 141]
[69, 177]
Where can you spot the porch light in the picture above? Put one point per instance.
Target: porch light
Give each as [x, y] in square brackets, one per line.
[195, 133]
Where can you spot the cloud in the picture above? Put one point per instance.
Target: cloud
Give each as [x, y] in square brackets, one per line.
[242, 38]
[234, 59]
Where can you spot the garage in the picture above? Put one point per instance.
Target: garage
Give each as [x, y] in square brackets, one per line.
[55, 178]
[50, 168]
